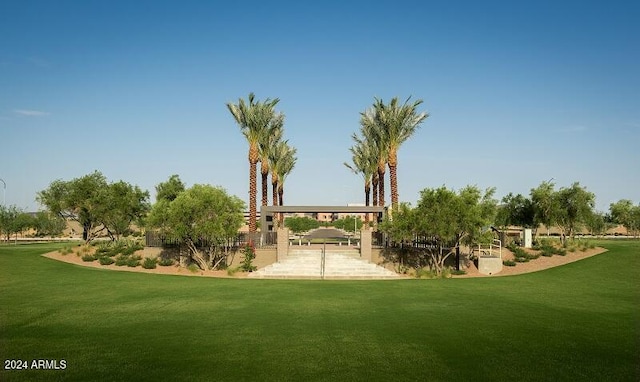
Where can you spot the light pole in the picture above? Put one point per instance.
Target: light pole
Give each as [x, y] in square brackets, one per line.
[4, 192]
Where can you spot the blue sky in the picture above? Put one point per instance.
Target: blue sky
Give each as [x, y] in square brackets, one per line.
[518, 92]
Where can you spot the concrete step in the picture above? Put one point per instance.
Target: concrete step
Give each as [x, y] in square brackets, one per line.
[338, 265]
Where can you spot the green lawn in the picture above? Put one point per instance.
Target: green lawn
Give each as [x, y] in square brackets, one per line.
[576, 322]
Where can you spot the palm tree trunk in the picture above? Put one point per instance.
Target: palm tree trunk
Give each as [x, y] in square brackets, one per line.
[393, 176]
[252, 196]
[367, 190]
[274, 194]
[280, 197]
[374, 184]
[264, 170]
[381, 187]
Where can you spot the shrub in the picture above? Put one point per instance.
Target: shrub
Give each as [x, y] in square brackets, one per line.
[88, 258]
[193, 268]
[509, 263]
[232, 271]
[522, 259]
[249, 255]
[121, 260]
[456, 272]
[133, 261]
[106, 260]
[165, 262]
[424, 273]
[149, 263]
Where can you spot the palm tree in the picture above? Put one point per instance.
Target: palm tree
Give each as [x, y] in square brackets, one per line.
[253, 118]
[395, 123]
[269, 140]
[364, 164]
[284, 167]
[373, 135]
[277, 154]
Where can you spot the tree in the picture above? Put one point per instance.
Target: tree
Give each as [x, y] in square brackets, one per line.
[281, 162]
[444, 220]
[392, 124]
[364, 163]
[203, 219]
[283, 168]
[76, 200]
[95, 204]
[516, 210]
[596, 223]
[253, 118]
[48, 224]
[120, 205]
[375, 140]
[575, 207]
[625, 213]
[170, 189]
[299, 224]
[13, 220]
[269, 140]
[544, 205]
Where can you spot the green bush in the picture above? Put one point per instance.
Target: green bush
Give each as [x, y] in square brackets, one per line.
[149, 263]
[247, 260]
[509, 263]
[88, 258]
[522, 259]
[232, 271]
[193, 268]
[106, 260]
[133, 261]
[165, 262]
[121, 260]
[456, 272]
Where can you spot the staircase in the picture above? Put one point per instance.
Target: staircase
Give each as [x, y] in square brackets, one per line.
[338, 264]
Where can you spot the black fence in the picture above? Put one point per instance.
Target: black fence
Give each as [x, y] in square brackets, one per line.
[269, 239]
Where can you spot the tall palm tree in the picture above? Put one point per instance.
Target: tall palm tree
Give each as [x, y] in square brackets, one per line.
[400, 123]
[364, 164]
[269, 140]
[394, 124]
[284, 167]
[253, 118]
[376, 140]
[277, 154]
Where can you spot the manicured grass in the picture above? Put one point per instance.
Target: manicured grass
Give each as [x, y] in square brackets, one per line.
[576, 322]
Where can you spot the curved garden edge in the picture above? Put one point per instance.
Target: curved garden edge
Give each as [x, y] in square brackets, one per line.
[536, 265]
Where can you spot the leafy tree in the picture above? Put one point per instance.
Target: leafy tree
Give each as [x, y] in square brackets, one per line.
[575, 207]
[545, 205]
[13, 221]
[76, 200]
[446, 220]
[596, 223]
[121, 204]
[170, 189]
[516, 210]
[48, 224]
[95, 204]
[625, 213]
[299, 224]
[348, 223]
[203, 219]
[254, 118]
